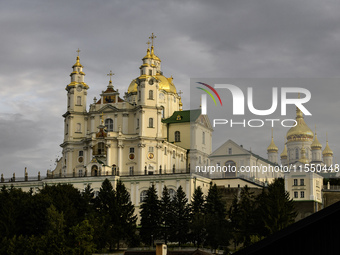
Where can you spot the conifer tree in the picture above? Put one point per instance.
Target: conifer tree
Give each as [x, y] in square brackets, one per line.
[166, 210]
[125, 218]
[215, 219]
[278, 209]
[197, 217]
[180, 217]
[150, 217]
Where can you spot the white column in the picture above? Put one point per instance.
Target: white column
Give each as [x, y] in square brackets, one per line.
[137, 194]
[108, 155]
[120, 156]
[132, 193]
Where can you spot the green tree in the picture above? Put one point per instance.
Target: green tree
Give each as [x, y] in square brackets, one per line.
[215, 219]
[150, 217]
[55, 240]
[125, 218]
[197, 217]
[166, 213]
[241, 215]
[82, 235]
[180, 217]
[106, 210]
[277, 209]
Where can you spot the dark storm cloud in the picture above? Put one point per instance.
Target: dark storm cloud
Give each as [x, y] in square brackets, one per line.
[194, 39]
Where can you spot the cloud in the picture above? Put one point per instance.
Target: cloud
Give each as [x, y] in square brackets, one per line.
[195, 39]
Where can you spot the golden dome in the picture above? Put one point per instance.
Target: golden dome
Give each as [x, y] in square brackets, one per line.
[77, 64]
[163, 83]
[316, 145]
[272, 147]
[301, 132]
[327, 151]
[147, 54]
[284, 154]
[153, 55]
[132, 87]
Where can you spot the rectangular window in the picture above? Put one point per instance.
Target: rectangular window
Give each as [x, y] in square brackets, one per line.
[131, 170]
[80, 172]
[137, 123]
[132, 150]
[150, 122]
[296, 194]
[203, 137]
[230, 151]
[150, 149]
[78, 100]
[302, 182]
[295, 182]
[218, 164]
[302, 194]
[81, 153]
[150, 72]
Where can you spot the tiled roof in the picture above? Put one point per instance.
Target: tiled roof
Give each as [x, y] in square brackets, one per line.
[183, 116]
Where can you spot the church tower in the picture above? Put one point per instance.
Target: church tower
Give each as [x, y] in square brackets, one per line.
[297, 137]
[316, 150]
[75, 116]
[327, 155]
[272, 151]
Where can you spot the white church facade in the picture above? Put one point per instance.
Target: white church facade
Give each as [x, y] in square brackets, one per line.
[144, 137]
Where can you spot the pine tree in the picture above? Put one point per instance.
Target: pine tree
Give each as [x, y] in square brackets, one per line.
[106, 209]
[216, 223]
[125, 218]
[150, 217]
[166, 214]
[197, 217]
[278, 209]
[246, 211]
[180, 218]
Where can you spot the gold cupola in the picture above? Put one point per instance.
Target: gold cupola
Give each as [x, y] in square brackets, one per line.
[316, 145]
[327, 152]
[301, 132]
[77, 75]
[284, 154]
[272, 147]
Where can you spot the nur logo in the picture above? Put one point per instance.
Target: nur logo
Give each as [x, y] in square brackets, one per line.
[204, 97]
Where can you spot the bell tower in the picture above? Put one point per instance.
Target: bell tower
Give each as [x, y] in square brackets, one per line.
[77, 89]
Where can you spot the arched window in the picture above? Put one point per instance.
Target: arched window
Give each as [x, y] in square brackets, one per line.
[177, 136]
[109, 125]
[296, 153]
[143, 196]
[150, 122]
[151, 94]
[231, 169]
[172, 194]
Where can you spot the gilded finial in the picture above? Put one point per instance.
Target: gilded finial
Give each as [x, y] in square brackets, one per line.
[78, 51]
[148, 43]
[152, 37]
[110, 74]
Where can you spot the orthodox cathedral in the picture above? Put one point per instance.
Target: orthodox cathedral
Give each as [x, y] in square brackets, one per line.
[144, 138]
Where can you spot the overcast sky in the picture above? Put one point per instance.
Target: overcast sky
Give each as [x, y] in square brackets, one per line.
[201, 39]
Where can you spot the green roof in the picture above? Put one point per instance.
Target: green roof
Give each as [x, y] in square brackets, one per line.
[183, 116]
